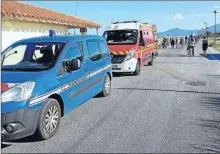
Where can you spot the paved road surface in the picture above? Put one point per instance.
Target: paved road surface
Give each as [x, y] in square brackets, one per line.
[173, 106]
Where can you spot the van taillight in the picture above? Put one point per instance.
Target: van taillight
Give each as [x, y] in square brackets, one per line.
[4, 86]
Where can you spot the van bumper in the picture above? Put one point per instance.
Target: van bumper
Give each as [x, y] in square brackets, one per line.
[127, 66]
[18, 124]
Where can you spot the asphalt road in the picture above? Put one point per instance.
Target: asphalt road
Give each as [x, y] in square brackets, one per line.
[173, 106]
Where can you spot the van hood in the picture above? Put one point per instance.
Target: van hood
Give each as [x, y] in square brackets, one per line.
[121, 49]
[20, 77]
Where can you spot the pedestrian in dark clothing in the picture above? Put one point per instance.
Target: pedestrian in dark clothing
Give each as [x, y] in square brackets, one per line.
[204, 45]
[186, 38]
[172, 43]
[176, 42]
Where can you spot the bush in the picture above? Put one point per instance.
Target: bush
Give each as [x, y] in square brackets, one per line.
[211, 44]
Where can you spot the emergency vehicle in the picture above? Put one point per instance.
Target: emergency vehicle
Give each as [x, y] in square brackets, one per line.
[44, 78]
[132, 45]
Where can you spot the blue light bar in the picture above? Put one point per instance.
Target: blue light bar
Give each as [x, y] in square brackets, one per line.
[52, 32]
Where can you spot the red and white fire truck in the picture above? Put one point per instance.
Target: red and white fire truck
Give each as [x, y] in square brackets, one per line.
[132, 45]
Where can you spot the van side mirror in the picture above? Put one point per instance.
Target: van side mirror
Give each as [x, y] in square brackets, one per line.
[96, 57]
[71, 65]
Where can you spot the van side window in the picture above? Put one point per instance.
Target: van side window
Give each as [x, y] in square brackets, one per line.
[74, 52]
[93, 49]
[103, 48]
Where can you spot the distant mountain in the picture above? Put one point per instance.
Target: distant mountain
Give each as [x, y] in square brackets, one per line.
[212, 28]
[184, 32]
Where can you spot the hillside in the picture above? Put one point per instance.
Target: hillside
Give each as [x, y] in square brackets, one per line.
[184, 32]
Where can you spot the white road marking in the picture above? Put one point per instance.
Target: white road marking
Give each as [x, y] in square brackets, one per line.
[160, 67]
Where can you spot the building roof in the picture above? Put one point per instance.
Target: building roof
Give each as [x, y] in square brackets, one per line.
[20, 11]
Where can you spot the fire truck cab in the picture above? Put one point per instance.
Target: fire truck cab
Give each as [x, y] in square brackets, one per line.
[132, 45]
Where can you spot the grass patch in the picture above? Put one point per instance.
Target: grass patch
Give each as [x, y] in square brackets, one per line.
[211, 41]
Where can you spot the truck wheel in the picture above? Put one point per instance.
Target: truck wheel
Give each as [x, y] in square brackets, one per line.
[49, 120]
[151, 61]
[106, 89]
[138, 68]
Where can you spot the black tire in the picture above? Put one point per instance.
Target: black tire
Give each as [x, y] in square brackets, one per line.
[137, 69]
[42, 131]
[106, 89]
[151, 61]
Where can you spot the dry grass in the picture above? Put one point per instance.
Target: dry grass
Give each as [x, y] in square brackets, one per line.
[212, 43]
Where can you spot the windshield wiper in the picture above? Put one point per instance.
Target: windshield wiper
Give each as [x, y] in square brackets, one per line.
[7, 56]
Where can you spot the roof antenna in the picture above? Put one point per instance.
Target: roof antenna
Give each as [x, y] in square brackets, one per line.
[75, 16]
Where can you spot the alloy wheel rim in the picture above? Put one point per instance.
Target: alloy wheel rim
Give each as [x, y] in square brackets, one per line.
[51, 119]
[107, 84]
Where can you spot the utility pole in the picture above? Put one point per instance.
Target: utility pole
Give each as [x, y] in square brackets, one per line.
[215, 12]
[75, 16]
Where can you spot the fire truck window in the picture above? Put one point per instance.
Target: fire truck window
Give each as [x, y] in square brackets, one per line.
[141, 40]
[121, 36]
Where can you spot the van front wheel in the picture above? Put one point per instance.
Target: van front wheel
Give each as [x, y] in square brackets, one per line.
[49, 120]
[138, 68]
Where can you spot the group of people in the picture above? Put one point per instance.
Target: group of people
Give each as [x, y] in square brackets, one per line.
[189, 41]
[174, 42]
[193, 40]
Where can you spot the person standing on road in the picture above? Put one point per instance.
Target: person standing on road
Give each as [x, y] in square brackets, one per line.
[181, 42]
[204, 45]
[176, 42]
[186, 38]
[172, 43]
[191, 44]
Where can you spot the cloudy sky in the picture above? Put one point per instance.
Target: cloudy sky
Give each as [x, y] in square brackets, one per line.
[166, 14]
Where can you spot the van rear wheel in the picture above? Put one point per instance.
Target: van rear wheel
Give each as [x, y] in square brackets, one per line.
[49, 120]
[106, 89]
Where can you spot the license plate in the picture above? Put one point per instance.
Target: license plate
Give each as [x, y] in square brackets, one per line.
[114, 66]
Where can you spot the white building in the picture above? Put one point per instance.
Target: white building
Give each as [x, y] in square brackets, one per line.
[21, 21]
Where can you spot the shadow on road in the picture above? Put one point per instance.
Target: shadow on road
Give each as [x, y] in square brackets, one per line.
[172, 55]
[28, 139]
[170, 90]
[209, 126]
[213, 75]
[122, 74]
[3, 145]
[177, 55]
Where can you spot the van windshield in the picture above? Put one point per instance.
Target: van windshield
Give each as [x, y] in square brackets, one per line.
[31, 56]
[121, 36]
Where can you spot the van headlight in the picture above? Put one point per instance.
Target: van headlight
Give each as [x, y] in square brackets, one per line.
[130, 54]
[19, 92]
